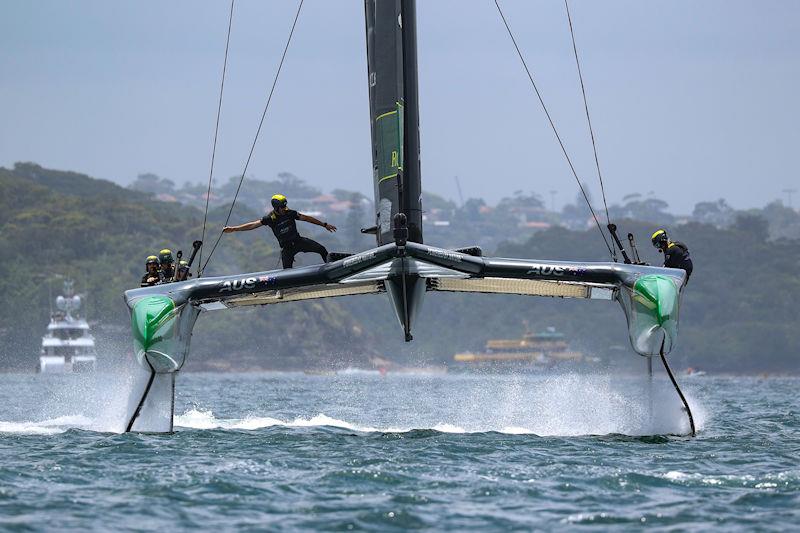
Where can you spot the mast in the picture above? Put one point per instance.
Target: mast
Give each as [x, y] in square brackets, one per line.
[394, 114]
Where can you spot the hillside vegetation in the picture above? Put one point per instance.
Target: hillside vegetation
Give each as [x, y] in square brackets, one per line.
[60, 224]
[739, 311]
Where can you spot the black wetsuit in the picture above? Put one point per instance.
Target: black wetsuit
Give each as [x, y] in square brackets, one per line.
[677, 256]
[284, 226]
[159, 278]
[168, 274]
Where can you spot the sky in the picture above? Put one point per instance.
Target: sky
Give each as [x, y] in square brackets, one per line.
[690, 100]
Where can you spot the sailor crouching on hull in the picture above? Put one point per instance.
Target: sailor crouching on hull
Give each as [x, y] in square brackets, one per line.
[282, 221]
[676, 254]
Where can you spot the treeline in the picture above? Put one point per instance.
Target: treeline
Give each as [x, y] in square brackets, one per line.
[57, 224]
[739, 310]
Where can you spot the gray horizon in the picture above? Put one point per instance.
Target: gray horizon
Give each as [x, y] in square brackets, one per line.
[694, 102]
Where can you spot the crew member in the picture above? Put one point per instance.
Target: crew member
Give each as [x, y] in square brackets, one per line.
[676, 254]
[167, 265]
[153, 274]
[282, 221]
[182, 273]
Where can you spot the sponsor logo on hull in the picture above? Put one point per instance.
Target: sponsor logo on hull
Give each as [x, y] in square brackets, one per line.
[356, 259]
[445, 254]
[545, 270]
[238, 284]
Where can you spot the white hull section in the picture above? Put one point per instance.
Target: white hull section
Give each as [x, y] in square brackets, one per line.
[152, 403]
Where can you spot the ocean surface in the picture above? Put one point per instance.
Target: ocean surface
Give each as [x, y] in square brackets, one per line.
[359, 450]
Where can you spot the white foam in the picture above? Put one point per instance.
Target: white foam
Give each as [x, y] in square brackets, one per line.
[448, 428]
[46, 427]
[204, 419]
[764, 481]
[547, 405]
[515, 430]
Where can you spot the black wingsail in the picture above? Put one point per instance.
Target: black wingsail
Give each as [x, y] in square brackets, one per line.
[394, 114]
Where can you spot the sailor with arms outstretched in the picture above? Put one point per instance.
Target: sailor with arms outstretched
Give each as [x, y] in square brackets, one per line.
[282, 221]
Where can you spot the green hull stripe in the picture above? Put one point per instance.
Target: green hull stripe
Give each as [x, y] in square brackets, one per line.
[148, 317]
[659, 295]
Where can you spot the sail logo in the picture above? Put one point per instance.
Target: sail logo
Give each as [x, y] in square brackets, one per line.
[545, 270]
[238, 284]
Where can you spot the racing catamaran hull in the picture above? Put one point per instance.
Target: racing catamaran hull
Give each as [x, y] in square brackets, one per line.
[162, 317]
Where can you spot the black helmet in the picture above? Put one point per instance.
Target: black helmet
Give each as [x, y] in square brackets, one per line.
[659, 238]
[152, 260]
[278, 200]
[165, 256]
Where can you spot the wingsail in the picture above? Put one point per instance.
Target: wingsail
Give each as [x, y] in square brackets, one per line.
[392, 73]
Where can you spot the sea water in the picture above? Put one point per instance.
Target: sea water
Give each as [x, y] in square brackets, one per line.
[366, 451]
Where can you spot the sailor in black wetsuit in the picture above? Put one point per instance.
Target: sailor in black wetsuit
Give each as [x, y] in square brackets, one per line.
[182, 273]
[282, 221]
[153, 276]
[676, 254]
[167, 265]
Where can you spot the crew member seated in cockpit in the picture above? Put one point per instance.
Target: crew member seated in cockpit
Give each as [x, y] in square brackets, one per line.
[167, 265]
[153, 275]
[282, 221]
[676, 254]
[182, 273]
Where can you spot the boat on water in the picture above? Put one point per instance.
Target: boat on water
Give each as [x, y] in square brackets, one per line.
[68, 345]
[531, 351]
[400, 265]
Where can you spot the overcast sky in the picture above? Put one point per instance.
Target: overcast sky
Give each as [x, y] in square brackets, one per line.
[695, 100]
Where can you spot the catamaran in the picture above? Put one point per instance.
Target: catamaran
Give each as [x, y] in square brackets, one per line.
[401, 265]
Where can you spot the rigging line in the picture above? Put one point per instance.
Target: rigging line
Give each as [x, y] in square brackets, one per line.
[258, 131]
[589, 121]
[216, 132]
[553, 127]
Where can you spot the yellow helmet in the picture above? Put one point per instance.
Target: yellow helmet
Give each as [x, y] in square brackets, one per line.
[659, 237]
[278, 200]
[165, 256]
[151, 260]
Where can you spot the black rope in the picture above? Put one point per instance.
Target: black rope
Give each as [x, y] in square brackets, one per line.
[553, 126]
[589, 122]
[258, 131]
[677, 388]
[216, 132]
